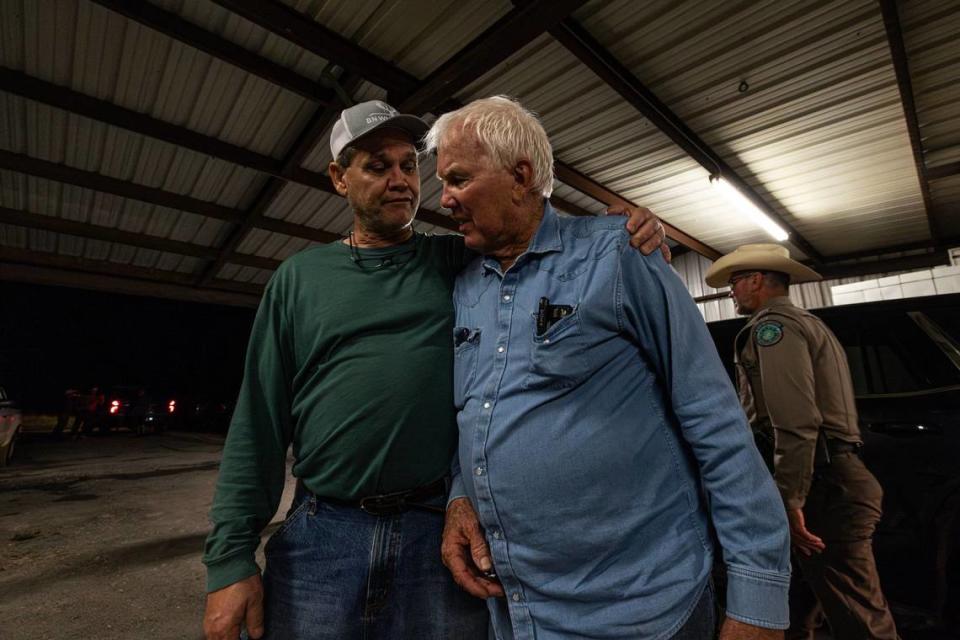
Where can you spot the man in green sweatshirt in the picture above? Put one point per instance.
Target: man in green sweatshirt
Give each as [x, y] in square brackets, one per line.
[350, 361]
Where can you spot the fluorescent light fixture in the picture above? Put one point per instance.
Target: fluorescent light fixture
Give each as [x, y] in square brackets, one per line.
[747, 208]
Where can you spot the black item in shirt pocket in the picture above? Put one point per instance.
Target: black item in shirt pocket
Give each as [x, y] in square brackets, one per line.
[558, 358]
[465, 343]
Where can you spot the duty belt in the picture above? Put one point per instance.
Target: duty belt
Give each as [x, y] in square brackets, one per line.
[828, 448]
[836, 447]
[387, 504]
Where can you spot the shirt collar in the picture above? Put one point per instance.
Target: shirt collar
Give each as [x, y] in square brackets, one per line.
[778, 301]
[545, 240]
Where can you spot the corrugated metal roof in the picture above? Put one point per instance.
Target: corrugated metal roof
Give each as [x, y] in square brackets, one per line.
[931, 32]
[415, 35]
[89, 49]
[817, 129]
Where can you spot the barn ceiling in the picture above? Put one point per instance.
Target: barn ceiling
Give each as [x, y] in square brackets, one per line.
[178, 148]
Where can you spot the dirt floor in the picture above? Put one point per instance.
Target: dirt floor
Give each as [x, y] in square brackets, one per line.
[101, 537]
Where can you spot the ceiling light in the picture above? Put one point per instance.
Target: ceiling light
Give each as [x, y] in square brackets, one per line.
[747, 208]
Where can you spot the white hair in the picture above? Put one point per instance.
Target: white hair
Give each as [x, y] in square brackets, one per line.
[507, 132]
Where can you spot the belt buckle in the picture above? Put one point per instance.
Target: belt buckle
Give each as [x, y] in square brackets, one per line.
[384, 505]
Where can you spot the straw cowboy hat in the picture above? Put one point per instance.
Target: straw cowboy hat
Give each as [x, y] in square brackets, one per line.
[758, 257]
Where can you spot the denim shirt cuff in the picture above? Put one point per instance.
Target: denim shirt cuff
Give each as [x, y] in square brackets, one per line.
[758, 597]
[457, 489]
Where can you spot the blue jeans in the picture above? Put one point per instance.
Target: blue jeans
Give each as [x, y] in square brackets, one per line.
[702, 623]
[335, 572]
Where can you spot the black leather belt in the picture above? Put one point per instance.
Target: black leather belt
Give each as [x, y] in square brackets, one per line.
[387, 504]
[836, 447]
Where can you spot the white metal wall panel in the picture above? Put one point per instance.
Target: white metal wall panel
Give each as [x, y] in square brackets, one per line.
[810, 295]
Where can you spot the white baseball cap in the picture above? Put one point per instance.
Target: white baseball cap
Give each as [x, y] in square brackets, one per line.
[363, 118]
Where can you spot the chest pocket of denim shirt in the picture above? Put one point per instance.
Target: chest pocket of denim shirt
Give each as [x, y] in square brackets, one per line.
[558, 358]
[466, 343]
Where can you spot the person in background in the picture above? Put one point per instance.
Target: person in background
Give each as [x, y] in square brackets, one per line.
[795, 385]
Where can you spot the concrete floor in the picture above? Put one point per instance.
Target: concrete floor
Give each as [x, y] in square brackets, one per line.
[101, 537]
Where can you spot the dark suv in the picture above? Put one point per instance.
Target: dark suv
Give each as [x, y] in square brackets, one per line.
[904, 357]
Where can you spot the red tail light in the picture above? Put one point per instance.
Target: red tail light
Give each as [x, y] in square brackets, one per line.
[114, 406]
[172, 406]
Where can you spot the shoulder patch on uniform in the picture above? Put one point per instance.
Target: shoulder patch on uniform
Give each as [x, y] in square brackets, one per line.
[769, 333]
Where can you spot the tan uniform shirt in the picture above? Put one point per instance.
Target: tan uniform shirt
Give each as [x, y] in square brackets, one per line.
[793, 377]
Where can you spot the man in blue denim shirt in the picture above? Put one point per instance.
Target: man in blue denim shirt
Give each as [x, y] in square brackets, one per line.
[600, 437]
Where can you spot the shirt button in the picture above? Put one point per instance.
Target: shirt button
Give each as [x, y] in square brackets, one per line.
[500, 349]
[486, 405]
[516, 597]
[478, 471]
[496, 533]
[506, 298]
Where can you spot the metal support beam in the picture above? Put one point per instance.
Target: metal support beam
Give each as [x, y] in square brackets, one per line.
[887, 265]
[305, 32]
[62, 98]
[586, 48]
[54, 224]
[891, 21]
[943, 171]
[925, 245]
[106, 267]
[98, 182]
[507, 36]
[597, 191]
[109, 282]
[176, 27]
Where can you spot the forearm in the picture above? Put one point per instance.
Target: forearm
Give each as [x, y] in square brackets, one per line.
[793, 464]
[253, 465]
[249, 489]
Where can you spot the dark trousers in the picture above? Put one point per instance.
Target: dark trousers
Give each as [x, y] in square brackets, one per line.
[841, 583]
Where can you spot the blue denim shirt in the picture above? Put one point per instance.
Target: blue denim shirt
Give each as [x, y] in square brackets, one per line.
[598, 454]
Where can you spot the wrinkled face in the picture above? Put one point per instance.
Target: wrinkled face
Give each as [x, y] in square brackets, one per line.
[744, 286]
[382, 183]
[479, 194]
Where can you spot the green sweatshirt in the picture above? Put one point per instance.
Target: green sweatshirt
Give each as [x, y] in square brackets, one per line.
[352, 367]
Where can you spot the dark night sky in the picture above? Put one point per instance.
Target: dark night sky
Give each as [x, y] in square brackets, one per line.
[52, 338]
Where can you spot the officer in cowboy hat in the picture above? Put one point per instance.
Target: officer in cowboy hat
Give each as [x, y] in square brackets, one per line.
[795, 386]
